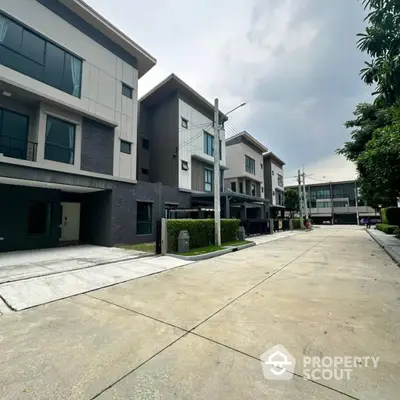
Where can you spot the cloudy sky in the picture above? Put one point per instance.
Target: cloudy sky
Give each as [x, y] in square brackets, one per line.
[294, 62]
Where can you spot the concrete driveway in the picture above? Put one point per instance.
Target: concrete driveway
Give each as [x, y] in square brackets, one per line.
[198, 332]
[17, 265]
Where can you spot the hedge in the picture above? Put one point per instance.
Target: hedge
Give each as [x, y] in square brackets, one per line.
[389, 229]
[390, 216]
[201, 232]
[296, 223]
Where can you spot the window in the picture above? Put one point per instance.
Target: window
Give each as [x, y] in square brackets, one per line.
[39, 219]
[261, 165]
[233, 186]
[145, 171]
[144, 220]
[185, 165]
[280, 180]
[184, 123]
[340, 204]
[262, 189]
[279, 198]
[240, 187]
[208, 179]
[250, 165]
[127, 91]
[30, 54]
[126, 147]
[208, 144]
[253, 189]
[145, 144]
[323, 204]
[320, 194]
[273, 173]
[60, 141]
[13, 134]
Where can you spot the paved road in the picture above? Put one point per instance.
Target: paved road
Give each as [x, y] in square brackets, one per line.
[198, 332]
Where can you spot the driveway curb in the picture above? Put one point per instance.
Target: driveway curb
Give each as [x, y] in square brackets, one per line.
[395, 257]
[199, 257]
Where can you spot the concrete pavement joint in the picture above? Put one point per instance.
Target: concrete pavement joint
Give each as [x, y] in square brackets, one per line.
[258, 359]
[187, 332]
[75, 269]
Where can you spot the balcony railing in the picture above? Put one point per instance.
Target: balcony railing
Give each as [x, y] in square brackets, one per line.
[17, 148]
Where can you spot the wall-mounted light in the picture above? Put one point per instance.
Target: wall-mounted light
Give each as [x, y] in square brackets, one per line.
[7, 94]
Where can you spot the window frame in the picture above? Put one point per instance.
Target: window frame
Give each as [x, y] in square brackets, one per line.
[130, 90]
[148, 223]
[184, 165]
[124, 142]
[250, 162]
[47, 222]
[50, 117]
[233, 186]
[208, 140]
[184, 123]
[208, 172]
[47, 41]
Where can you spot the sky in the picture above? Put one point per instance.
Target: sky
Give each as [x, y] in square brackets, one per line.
[295, 64]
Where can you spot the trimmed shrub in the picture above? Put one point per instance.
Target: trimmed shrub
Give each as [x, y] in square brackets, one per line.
[389, 229]
[296, 223]
[384, 216]
[201, 231]
[392, 215]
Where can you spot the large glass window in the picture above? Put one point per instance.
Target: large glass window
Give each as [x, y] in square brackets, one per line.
[34, 56]
[60, 141]
[340, 204]
[208, 179]
[13, 134]
[208, 144]
[323, 204]
[250, 165]
[320, 194]
[144, 220]
[280, 180]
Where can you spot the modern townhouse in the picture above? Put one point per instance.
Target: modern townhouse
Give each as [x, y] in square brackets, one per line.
[176, 137]
[68, 129]
[273, 184]
[245, 174]
[336, 203]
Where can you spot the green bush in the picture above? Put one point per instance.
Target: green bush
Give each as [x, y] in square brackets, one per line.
[384, 216]
[389, 229]
[296, 223]
[390, 215]
[201, 232]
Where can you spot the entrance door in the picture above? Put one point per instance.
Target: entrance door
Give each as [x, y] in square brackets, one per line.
[70, 222]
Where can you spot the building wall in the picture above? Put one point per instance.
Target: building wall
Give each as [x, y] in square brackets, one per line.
[235, 156]
[102, 76]
[277, 170]
[97, 150]
[268, 180]
[191, 142]
[144, 133]
[164, 143]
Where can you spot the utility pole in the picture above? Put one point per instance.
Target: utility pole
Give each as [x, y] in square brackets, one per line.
[305, 194]
[300, 204]
[217, 194]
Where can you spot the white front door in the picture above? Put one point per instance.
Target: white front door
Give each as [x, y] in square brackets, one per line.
[70, 222]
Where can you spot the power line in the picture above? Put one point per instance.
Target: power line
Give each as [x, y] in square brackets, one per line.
[195, 137]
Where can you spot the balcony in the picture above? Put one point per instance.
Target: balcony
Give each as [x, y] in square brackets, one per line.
[17, 148]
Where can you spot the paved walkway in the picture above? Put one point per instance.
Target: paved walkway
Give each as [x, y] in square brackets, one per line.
[389, 242]
[198, 332]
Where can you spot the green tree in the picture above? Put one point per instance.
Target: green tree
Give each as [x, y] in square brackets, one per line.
[292, 200]
[374, 144]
